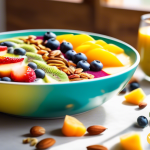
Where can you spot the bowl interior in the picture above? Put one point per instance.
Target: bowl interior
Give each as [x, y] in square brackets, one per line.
[129, 50]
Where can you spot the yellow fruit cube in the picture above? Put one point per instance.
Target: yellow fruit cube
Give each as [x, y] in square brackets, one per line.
[136, 96]
[131, 141]
[73, 127]
[113, 48]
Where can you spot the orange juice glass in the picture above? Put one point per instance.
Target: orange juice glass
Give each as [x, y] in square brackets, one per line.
[144, 44]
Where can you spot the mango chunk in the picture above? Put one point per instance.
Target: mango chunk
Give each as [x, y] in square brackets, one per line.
[100, 42]
[88, 43]
[131, 141]
[86, 48]
[136, 96]
[73, 127]
[64, 37]
[105, 57]
[77, 40]
[113, 48]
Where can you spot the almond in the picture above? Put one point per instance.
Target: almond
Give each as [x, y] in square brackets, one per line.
[142, 105]
[96, 129]
[37, 131]
[45, 143]
[97, 147]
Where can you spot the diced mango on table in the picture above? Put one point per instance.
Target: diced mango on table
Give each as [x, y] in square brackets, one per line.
[73, 127]
[64, 37]
[100, 42]
[105, 57]
[136, 96]
[131, 141]
[113, 48]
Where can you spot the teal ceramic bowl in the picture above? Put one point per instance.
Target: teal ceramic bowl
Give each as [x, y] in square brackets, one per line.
[57, 100]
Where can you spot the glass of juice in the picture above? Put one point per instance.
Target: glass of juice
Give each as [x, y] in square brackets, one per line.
[144, 45]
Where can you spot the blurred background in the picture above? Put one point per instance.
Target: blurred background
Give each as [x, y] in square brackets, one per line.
[116, 18]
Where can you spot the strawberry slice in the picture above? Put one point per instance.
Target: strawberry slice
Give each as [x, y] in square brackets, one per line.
[3, 50]
[23, 74]
[7, 63]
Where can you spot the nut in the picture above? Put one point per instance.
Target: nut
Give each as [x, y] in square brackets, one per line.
[97, 147]
[27, 140]
[96, 129]
[74, 76]
[37, 131]
[45, 143]
[33, 142]
[142, 105]
[78, 70]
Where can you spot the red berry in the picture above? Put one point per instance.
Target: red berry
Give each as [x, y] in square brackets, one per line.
[3, 48]
[23, 74]
[9, 60]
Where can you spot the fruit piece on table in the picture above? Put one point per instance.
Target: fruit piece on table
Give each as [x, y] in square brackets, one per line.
[113, 48]
[136, 96]
[95, 129]
[97, 147]
[23, 74]
[123, 91]
[37, 131]
[64, 37]
[32, 56]
[133, 86]
[107, 58]
[28, 48]
[142, 121]
[45, 143]
[52, 72]
[73, 127]
[133, 79]
[49, 35]
[3, 50]
[100, 42]
[131, 141]
[7, 63]
[77, 40]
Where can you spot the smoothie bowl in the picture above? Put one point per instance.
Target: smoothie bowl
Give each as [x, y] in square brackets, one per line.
[50, 73]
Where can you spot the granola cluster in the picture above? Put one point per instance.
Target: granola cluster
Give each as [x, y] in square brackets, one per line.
[56, 58]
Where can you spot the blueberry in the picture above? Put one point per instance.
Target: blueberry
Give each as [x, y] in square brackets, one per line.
[142, 121]
[19, 51]
[10, 50]
[69, 54]
[65, 46]
[53, 44]
[32, 65]
[0, 79]
[6, 79]
[49, 35]
[8, 44]
[84, 65]
[133, 86]
[123, 91]
[79, 56]
[40, 73]
[96, 65]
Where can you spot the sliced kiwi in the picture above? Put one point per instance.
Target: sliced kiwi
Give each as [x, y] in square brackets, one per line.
[48, 79]
[17, 41]
[28, 48]
[52, 71]
[32, 56]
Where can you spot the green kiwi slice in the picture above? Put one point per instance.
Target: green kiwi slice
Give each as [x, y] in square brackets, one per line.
[28, 48]
[52, 71]
[32, 56]
[17, 41]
